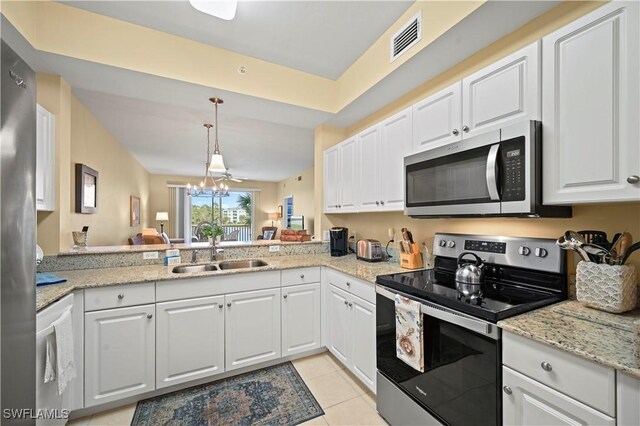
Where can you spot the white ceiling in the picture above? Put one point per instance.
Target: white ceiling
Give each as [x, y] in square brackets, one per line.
[320, 37]
[159, 120]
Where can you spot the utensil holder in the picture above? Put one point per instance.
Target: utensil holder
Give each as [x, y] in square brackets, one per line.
[610, 288]
[412, 260]
[79, 239]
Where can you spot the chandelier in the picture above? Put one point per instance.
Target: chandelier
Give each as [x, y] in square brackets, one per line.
[208, 185]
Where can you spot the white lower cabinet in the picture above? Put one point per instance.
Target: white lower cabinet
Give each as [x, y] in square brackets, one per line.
[351, 333]
[252, 327]
[528, 402]
[119, 353]
[300, 318]
[189, 340]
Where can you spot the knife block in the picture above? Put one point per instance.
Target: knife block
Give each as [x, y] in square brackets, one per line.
[412, 260]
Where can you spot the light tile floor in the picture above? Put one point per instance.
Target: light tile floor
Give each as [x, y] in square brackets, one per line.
[343, 398]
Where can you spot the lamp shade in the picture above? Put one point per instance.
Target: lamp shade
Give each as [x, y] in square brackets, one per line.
[223, 9]
[162, 216]
[273, 216]
[217, 164]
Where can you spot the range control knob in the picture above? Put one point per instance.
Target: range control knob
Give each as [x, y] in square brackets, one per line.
[541, 252]
[442, 243]
[524, 250]
[451, 244]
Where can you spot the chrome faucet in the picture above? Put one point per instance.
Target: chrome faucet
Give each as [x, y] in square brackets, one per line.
[194, 255]
[212, 247]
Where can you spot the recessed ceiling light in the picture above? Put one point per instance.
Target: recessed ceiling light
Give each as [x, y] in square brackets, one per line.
[223, 9]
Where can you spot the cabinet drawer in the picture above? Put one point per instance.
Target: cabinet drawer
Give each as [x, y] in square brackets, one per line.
[352, 285]
[583, 380]
[300, 276]
[119, 296]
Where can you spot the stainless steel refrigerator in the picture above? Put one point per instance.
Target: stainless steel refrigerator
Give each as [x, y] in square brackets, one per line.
[17, 237]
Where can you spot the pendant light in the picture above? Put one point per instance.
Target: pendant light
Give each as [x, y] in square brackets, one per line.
[217, 163]
[208, 184]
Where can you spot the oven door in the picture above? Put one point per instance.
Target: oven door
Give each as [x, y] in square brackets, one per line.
[455, 179]
[461, 380]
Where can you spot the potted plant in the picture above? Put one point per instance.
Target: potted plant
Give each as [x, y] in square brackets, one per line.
[208, 232]
[218, 232]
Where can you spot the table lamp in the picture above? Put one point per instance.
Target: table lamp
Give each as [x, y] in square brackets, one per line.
[162, 216]
[272, 217]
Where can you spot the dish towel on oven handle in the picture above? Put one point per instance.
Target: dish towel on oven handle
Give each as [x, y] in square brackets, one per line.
[409, 333]
[59, 363]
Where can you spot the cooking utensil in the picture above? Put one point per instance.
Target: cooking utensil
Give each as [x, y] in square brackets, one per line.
[629, 251]
[626, 240]
[469, 275]
[568, 244]
[594, 237]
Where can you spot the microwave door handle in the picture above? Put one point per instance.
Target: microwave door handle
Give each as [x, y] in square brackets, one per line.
[492, 171]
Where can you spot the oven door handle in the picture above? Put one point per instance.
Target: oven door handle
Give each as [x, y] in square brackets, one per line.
[444, 314]
[492, 172]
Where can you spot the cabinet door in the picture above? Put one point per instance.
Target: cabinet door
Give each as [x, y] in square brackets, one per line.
[338, 325]
[331, 179]
[45, 160]
[531, 403]
[348, 177]
[369, 169]
[590, 112]
[363, 341]
[437, 119]
[300, 318]
[189, 340]
[502, 93]
[395, 144]
[119, 353]
[252, 327]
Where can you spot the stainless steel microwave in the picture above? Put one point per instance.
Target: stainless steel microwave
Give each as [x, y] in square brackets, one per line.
[498, 173]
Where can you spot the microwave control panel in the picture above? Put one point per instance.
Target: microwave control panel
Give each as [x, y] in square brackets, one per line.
[513, 169]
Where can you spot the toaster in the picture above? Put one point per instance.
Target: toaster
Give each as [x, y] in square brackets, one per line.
[369, 250]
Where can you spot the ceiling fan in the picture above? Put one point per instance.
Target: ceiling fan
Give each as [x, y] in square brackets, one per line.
[226, 176]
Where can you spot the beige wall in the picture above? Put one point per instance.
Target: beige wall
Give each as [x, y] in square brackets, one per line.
[80, 138]
[611, 218]
[265, 199]
[121, 176]
[300, 186]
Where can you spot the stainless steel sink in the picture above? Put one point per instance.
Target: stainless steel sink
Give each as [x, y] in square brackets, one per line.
[241, 264]
[185, 269]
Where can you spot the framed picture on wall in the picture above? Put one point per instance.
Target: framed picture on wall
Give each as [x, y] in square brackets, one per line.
[134, 213]
[86, 189]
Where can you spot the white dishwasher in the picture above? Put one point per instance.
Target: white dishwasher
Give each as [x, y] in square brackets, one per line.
[47, 398]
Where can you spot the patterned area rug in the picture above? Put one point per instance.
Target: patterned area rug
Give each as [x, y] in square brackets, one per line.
[272, 396]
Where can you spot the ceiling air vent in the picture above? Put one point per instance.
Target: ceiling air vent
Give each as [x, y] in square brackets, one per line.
[407, 36]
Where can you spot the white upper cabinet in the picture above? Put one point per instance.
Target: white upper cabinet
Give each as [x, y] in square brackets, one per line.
[45, 160]
[395, 144]
[369, 168]
[331, 179]
[504, 92]
[591, 149]
[437, 120]
[348, 176]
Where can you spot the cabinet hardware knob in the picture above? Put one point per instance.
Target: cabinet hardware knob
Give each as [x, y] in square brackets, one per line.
[546, 366]
[285, 296]
[220, 306]
[455, 132]
[507, 390]
[346, 303]
[121, 296]
[633, 179]
[465, 128]
[348, 284]
[350, 304]
[149, 316]
[377, 203]
[302, 276]
[229, 305]
[382, 203]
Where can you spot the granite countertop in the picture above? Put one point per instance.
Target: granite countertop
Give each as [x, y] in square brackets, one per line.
[88, 278]
[608, 339]
[180, 246]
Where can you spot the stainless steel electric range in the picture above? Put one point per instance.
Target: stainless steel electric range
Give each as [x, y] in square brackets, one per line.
[461, 383]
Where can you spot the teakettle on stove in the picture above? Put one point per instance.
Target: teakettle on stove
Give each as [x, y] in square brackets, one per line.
[469, 275]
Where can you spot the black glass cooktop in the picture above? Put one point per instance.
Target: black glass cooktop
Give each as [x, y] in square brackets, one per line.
[500, 298]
